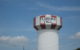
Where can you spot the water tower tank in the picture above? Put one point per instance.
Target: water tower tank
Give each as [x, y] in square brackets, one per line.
[47, 27]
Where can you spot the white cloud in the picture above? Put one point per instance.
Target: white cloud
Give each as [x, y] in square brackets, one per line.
[17, 40]
[76, 36]
[58, 8]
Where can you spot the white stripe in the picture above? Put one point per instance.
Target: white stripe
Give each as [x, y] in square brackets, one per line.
[48, 23]
[54, 20]
[58, 22]
[42, 20]
[38, 22]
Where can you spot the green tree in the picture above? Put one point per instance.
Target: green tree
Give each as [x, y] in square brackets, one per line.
[78, 49]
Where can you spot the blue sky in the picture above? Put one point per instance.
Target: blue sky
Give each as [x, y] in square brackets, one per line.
[16, 22]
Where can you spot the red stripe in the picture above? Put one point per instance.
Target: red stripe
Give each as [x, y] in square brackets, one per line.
[53, 16]
[34, 21]
[42, 24]
[61, 20]
[42, 16]
[35, 24]
[53, 25]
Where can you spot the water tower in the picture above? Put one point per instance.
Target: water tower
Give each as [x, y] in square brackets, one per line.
[47, 27]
